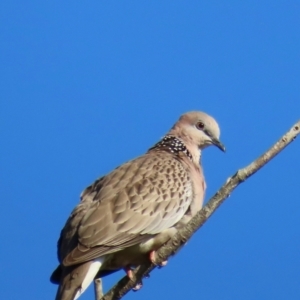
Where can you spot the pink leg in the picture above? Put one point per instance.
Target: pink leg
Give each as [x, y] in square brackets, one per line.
[153, 259]
[128, 272]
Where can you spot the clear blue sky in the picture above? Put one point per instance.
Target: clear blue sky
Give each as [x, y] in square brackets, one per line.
[86, 86]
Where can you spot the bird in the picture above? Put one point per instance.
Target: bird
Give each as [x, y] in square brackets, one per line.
[124, 217]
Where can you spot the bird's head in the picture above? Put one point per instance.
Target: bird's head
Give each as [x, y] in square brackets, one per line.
[198, 129]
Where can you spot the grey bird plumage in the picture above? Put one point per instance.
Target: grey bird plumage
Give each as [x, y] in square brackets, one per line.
[131, 212]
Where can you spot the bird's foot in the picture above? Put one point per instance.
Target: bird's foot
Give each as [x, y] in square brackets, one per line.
[129, 272]
[130, 275]
[152, 257]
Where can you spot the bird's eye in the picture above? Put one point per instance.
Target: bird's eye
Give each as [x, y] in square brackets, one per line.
[200, 125]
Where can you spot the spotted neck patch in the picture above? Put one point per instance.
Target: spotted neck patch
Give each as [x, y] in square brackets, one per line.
[172, 144]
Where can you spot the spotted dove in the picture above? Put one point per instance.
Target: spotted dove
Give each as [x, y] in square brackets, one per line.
[125, 216]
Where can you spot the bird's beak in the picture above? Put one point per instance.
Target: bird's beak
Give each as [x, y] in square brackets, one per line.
[217, 143]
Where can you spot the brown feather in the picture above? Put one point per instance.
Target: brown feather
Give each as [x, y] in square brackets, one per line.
[113, 221]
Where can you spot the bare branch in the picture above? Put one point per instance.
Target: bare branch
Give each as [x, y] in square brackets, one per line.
[98, 288]
[125, 284]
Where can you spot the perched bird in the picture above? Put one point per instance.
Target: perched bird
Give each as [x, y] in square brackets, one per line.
[125, 216]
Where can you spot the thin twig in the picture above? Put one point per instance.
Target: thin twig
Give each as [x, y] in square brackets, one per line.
[98, 288]
[170, 248]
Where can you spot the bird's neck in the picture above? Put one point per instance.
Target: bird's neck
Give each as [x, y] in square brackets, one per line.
[176, 146]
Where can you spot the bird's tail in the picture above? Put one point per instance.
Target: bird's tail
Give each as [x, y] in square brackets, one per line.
[75, 279]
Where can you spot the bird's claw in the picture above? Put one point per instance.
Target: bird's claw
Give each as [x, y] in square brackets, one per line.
[138, 286]
[152, 257]
[129, 272]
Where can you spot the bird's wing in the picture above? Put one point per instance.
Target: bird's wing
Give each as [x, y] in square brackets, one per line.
[139, 199]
